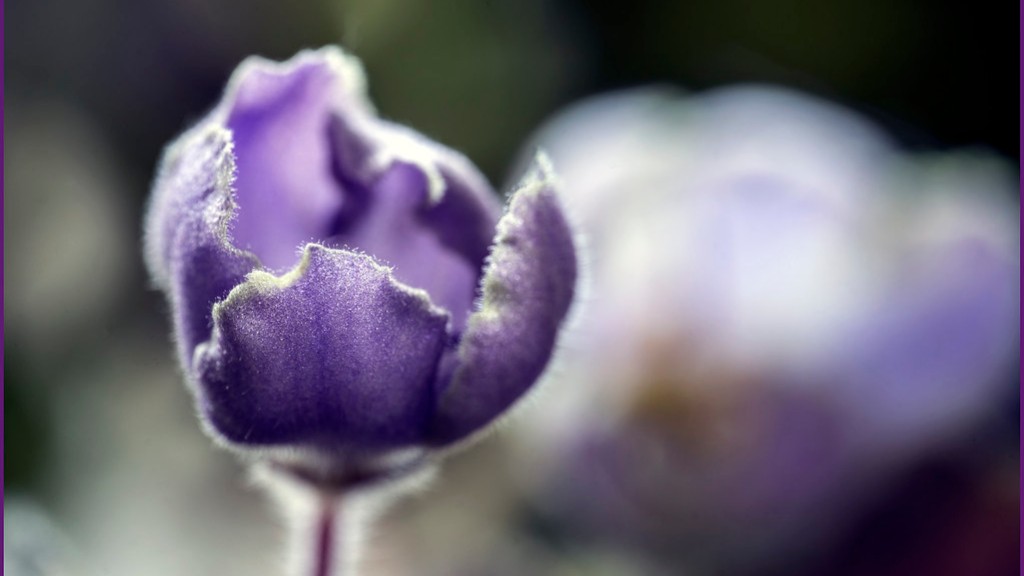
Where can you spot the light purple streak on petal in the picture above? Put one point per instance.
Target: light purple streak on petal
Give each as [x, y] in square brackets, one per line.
[335, 355]
[187, 249]
[527, 290]
[285, 189]
[943, 338]
[390, 226]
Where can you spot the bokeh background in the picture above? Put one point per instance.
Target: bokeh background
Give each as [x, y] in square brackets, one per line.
[105, 468]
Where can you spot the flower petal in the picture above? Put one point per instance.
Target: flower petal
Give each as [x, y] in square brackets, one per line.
[187, 249]
[415, 205]
[934, 354]
[527, 290]
[393, 229]
[316, 164]
[280, 116]
[335, 355]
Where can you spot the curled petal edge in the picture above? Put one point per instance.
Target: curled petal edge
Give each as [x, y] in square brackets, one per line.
[260, 284]
[527, 291]
[385, 142]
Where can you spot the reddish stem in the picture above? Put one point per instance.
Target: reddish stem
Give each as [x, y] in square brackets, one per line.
[326, 539]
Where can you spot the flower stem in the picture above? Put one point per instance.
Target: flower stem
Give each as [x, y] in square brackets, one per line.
[327, 541]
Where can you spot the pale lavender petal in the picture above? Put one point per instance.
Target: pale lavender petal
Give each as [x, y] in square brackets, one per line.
[334, 355]
[527, 290]
[279, 115]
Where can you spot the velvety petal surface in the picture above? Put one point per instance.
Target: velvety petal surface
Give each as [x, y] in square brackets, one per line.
[527, 290]
[335, 354]
[187, 249]
[386, 235]
[316, 165]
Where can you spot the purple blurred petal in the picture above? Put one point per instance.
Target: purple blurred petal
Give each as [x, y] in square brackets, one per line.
[829, 311]
[335, 354]
[527, 290]
[923, 362]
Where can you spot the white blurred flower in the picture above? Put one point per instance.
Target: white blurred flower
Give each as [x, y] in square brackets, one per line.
[783, 309]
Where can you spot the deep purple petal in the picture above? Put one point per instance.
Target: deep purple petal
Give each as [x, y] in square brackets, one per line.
[527, 290]
[187, 249]
[335, 355]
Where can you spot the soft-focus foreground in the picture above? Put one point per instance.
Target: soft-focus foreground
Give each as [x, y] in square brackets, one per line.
[785, 317]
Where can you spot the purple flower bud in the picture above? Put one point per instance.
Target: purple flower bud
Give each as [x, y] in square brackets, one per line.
[342, 285]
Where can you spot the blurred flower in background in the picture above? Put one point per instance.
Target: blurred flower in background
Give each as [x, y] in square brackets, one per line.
[784, 313]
